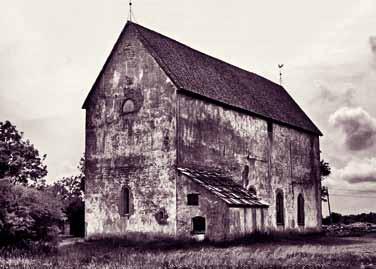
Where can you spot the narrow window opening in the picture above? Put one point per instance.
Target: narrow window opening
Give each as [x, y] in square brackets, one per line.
[125, 201]
[199, 225]
[270, 127]
[192, 199]
[245, 175]
[280, 209]
[301, 215]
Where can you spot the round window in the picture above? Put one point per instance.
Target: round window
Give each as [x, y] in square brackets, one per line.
[128, 106]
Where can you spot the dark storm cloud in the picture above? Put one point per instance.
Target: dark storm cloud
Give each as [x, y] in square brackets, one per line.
[360, 171]
[358, 125]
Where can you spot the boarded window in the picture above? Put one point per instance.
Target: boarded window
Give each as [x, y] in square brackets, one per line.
[199, 225]
[254, 219]
[301, 216]
[262, 218]
[125, 201]
[128, 106]
[280, 209]
[192, 199]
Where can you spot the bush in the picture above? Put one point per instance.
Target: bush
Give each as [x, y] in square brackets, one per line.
[28, 216]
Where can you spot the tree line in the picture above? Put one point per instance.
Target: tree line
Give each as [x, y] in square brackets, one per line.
[32, 211]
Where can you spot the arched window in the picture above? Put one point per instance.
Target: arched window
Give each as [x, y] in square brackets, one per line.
[301, 215]
[280, 209]
[129, 106]
[199, 225]
[125, 201]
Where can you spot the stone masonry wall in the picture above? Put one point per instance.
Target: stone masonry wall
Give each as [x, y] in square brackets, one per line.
[130, 141]
[214, 210]
[295, 170]
[282, 158]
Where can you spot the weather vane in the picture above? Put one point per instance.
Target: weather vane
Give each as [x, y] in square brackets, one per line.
[280, 73]
[130, 10]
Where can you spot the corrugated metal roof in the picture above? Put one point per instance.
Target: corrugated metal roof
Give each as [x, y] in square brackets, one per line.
[223, 187]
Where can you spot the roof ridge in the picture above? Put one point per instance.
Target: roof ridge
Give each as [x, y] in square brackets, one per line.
[159, 60]
[171, 73]
[205, 54]
[246, 88]
[214, 79]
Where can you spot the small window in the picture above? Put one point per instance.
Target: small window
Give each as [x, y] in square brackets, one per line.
[301, 216]
[199, 225]
[280, 209]
[270, 127]
[245, 175]
[192, 199]
[129, 106]
[125, 201]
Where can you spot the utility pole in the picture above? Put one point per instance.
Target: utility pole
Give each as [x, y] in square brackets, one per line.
[326, 198]
[330, 211]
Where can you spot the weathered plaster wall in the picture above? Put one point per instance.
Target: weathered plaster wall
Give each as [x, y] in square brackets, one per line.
[285, 159]
[295, 170]
[246, 220]
[212, 136]
[134, 149]
[214, 210]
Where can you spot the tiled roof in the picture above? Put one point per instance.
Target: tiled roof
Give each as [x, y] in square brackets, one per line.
[223, 187]
[212, 78]
[198, 73]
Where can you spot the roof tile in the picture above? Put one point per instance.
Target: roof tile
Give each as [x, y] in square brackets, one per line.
[212, 78]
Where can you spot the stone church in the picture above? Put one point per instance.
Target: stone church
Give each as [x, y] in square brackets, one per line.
[182, 144]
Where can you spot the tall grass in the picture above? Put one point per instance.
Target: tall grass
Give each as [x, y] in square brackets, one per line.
[115, 252]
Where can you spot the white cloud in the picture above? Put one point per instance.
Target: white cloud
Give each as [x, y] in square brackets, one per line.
[359, 171]
[358, 125]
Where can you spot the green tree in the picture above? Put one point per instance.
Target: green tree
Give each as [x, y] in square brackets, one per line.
[19, 159]
[325, 169]
[28, 215]
[70, 190]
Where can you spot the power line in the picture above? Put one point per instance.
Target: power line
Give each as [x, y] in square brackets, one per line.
[340, 189]
[351, 195]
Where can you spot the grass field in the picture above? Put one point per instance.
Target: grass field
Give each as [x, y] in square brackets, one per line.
[311, 252]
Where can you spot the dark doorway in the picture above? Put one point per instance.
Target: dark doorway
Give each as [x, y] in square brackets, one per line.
[199, 225]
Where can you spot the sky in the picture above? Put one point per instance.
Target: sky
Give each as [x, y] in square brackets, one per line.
[52, 51]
